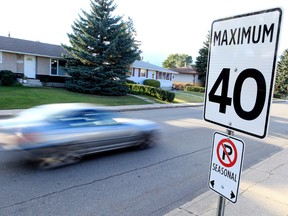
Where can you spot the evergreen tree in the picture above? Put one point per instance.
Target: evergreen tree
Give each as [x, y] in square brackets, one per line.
[281, 82]
[102, 49]
[201, 60]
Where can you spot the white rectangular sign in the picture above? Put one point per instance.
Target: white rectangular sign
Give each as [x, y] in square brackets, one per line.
[241, 71]
[226, 165]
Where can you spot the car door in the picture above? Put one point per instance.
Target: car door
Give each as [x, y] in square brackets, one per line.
[91, 130]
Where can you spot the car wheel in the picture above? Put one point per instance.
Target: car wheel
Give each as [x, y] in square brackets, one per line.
[148, 142]
[55, 161]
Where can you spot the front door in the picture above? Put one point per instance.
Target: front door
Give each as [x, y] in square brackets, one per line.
[30, 66]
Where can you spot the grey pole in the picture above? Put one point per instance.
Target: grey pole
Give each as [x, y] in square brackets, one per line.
[221, 206]
[221, 202]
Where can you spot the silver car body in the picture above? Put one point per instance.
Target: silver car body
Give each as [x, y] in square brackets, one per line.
[64, 132]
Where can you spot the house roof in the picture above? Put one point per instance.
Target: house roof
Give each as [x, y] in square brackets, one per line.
[147, 65]
[185, 70]
[14, 45]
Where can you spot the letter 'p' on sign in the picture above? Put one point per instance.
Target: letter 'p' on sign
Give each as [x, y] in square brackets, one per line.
[241, 71]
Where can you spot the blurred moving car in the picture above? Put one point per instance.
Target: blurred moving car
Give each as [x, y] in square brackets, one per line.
[58, 134]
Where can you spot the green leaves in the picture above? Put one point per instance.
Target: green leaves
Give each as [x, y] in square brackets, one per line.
[177, 60]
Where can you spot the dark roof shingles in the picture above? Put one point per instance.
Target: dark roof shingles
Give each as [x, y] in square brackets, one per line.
[185, 70]
[30, 47]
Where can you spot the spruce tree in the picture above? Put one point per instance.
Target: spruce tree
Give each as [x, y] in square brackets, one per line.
[201, 60]
[103, 47]
[281, 82]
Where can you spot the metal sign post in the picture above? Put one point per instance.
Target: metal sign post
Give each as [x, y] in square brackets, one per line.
[221, 202]
[221, 206]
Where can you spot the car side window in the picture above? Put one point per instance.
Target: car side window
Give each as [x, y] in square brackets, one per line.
[84, 118]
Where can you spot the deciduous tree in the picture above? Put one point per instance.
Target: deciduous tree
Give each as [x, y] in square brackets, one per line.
[177, 60]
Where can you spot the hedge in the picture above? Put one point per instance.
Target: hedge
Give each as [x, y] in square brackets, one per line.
[152, 83]
[195, 89]
[152, 91]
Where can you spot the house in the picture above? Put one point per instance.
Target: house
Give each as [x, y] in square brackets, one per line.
[186, 75]
[44, 62]
[34, 60]
[141, 70]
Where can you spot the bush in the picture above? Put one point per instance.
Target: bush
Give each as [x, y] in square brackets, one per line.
[152, 91]
[152, 82]
[17, 84]
[7, 78]
[194, 88]
[130, 81]
[179, 86]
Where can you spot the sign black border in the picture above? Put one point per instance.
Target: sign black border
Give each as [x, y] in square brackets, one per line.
[272, 77]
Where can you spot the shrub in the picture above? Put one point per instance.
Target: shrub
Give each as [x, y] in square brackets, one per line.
[194, 88]
[7, 78]
[152, 91]
[179, 86]
[130, 81]
[17, 84]
[152, 82]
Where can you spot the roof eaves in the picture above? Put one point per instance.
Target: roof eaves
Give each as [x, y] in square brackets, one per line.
[34, 54]
[155, 69]
[149, 66]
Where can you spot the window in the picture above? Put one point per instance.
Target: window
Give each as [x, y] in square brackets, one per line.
[0, 57]
[143, 73]
[57, 67]
[83, 118]
[54, 65]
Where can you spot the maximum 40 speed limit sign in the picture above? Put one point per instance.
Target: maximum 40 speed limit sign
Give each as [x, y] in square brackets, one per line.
[241, 71]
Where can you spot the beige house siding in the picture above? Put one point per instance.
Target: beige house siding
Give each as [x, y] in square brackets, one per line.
[186, 78]
[9, 62]
[15, 63]
[43, 66]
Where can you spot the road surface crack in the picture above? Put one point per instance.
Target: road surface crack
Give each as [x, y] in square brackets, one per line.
[270, 173]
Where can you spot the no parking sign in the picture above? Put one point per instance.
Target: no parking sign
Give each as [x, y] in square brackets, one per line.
[226, 165]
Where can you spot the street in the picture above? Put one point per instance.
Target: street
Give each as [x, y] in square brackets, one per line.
[153, 181]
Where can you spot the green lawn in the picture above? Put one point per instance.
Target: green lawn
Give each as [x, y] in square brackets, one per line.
[26, 97]
[188, 97]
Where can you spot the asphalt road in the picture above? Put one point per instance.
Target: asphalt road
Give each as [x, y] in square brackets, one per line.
[129, 182]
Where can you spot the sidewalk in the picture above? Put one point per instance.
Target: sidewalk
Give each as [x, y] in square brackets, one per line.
[263, 192]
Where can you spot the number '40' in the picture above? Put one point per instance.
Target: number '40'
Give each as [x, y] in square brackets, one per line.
[225, 101]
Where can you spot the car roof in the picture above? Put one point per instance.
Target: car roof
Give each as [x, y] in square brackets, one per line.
[43, 111]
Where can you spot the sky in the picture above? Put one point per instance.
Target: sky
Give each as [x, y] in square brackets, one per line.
[163, 27]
